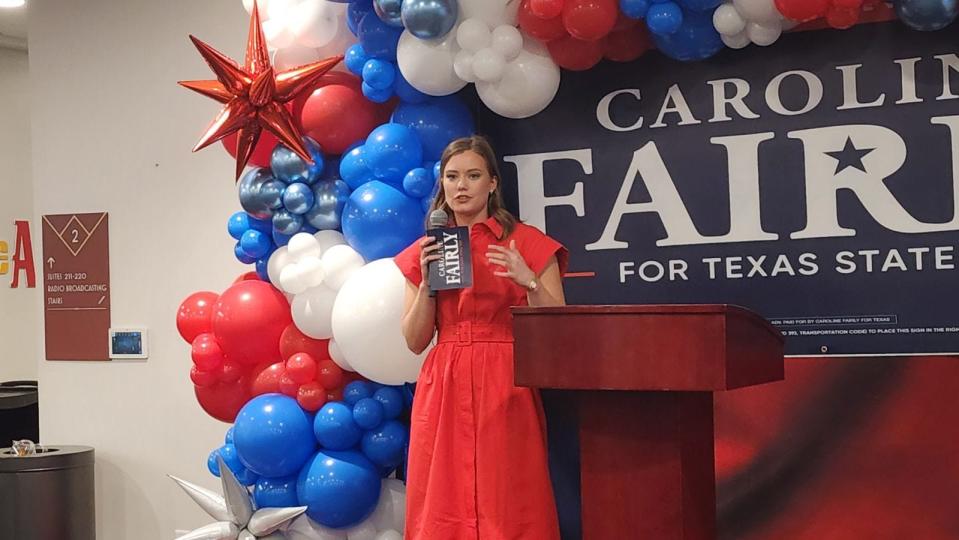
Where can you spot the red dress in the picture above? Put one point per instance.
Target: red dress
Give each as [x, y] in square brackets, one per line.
[477, 460]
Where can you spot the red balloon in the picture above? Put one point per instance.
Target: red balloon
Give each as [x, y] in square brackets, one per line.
[541, 29]
[311, 396]
[336, 114]
[626, 45]
[230, 372]
[293, 341]
[842, 18]
[624, 23]
[802, 10]
[301, 367]
[575, 54]
[330, 375]
[249, 276]
[249, 319]
[590, 20]
[334, 395]
[267, 381]
[847, 4]
[202, 378]
[206, 353]
[223, 400]
[546, 9]
[262, 152]
[195, 315]
[288, 386]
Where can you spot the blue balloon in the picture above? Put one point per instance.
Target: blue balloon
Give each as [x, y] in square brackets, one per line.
[335, 428]
[232, 459]
[378, 38]
[298, 198]
[239, 223]
[260, 193]
[437, 170]
[927, 15]
[696, 39]
[228, 438]
[339, 489]
[309, 229]
[289, 167]
[255, 244]
[437, 122]
[418, 183]
[275, 492]
[389, 11]
[355, 13]
[385, 445]
[368, 413]
[354, 169]
[286, 222]
[241, 255]
[379, 74]
[355, 58]
[405, 91]
[379, 221]
[664, 18]
[281, 239]
[376, 95]
[327, 212]
[634, 9]
[408, 390]
[391, 150]
[212, 464]
[273, 435]
[391, 398]
[262, 225]
[357, 390]
[429, 19]
[701, 5]
[262, 268]
[426, 203]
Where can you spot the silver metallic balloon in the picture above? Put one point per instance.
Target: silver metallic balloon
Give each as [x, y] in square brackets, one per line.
[331, 197]
[429, 19]
[288, 167]
[389, 11]
[927, 15]
[298, 198]
[260, 193]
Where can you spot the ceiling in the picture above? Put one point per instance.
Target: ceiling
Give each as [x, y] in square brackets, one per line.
[13, 24]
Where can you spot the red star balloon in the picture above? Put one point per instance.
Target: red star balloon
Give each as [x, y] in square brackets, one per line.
[254, 95]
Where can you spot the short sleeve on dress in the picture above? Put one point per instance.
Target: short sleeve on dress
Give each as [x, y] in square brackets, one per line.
[408, 261]
[538, 248]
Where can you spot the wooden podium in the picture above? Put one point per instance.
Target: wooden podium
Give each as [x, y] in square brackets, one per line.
[642, 379]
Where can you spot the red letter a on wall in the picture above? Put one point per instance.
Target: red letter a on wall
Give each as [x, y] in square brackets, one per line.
[23, 256]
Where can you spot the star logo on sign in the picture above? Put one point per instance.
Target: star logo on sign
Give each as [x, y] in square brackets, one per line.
[850, 156]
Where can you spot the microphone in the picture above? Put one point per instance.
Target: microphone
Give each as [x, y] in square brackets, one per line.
[454, 270]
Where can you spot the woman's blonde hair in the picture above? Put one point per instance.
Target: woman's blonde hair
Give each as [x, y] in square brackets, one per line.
[494, 205]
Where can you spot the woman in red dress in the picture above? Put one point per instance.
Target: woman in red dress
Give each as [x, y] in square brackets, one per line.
[477, 457]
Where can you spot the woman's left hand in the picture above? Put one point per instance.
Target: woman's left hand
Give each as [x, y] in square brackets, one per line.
[512, 261]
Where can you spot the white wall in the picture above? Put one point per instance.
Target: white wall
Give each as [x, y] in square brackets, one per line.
[112, 132]
[18, 307]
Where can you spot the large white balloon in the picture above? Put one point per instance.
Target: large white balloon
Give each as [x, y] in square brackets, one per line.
[304, 528]
[328, 239]
[315, 22]
[494, 12]
[292, 57]
[278, 261]
[363, 531]
[389, 535]
[337, 356]
[366, 324]
[339, 263]
[312, 312]
[428, 64]
[390, 512]
[528, 85]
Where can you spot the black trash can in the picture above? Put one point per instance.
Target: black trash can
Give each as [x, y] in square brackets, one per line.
[19, 415]
[48, 495]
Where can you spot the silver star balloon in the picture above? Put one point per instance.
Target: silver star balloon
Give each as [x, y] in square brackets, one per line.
[234, 512]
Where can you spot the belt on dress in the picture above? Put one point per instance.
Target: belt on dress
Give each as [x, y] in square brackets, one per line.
[464, 333]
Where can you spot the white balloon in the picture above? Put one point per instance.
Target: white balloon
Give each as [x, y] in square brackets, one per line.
[304, 528]
[262, 4]
[389, 535]
[761, 11]
[302, 246]
[276, 264]
[339, 263]
[488, 65]
[390, 512]
[473, 35]
[277, 34]
[463, 66]
[493, 12]
[763, 34]
[278, 9]
[314, 272]
[428, 65]
[341, 41]
[292, 279]
[528, 85]
[366, 324]
[328, 239]
[728, 21]
[737, 41]
[507, 41]
[337, 356]
[363, 531]
[398, 495]
[313, 310]
[292, 57]
[315, 23]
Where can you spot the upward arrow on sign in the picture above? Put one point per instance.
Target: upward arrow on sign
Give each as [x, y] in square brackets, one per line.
[50, 262]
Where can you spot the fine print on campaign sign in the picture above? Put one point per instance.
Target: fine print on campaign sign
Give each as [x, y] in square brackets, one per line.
[816, 182]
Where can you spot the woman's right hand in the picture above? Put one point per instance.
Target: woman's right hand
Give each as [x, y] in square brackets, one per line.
[428, 254]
